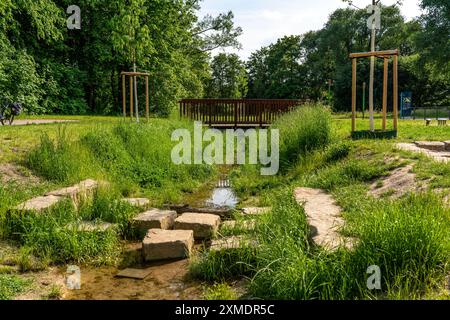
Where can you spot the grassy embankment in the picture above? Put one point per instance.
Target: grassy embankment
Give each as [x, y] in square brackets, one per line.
[134, 160]
[408, 238]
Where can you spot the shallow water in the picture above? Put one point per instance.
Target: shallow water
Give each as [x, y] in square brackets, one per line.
[222, 197]
[168, 280]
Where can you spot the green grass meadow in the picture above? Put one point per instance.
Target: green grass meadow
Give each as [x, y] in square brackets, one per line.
[407, 237]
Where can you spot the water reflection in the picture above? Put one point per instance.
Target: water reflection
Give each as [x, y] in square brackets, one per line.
[223, 196]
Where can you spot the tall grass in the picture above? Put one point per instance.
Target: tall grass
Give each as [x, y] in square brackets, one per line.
[135, 158]
[408, 240]
[303, 130]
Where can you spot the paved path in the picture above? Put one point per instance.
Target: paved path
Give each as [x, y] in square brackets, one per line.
[443, 156]
[324, 217]
[25, 122]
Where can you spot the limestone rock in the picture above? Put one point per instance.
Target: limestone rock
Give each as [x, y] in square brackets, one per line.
[231, 243]
[431, 145]
[154, 219]
[167, 244]
[142, 203]
[203, 225]
[256, 210]
[38, 204]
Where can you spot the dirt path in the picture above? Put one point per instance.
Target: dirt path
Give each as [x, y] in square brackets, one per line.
[25, 122]
[324, 217]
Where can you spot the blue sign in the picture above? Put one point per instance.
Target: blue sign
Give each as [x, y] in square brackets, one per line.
[406, 106]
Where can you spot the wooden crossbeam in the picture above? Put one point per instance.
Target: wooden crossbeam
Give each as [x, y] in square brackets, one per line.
[382, 54]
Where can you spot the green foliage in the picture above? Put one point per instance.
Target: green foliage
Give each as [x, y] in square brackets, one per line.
[229, 77]
[51, 69]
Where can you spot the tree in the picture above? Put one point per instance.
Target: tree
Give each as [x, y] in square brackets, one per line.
[228, 77]
[434, 41]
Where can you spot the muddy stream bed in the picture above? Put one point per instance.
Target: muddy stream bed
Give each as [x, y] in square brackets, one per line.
[168, 280]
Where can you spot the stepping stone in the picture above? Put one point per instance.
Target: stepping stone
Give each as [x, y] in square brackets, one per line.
[85, 187]
[38, 204]
[436, 155]
[323, 215]
[256, 210]
[138, 274]
[78, 192]
[431, 145]
[154, 219]
[447, 145]
[204, 225]
[90, 226]
[142, 203]
[167, 244]
[231, 243]
[243, 225]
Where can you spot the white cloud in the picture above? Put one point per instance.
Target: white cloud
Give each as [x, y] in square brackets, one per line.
[264, 21]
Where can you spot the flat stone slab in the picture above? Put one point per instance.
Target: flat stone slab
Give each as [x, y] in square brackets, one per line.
[231, 243]
[39, 204]
[78, 192]
[243, 225]
[204, 225]
[431, 145]
[323, 215]
[90, 226]
[138, 274]
[138, 202]
[256, 210]
[447, 145]
[435, 155]
[154, 219]
[167, 244]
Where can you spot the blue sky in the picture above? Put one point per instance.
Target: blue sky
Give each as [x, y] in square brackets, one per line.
[264, 21]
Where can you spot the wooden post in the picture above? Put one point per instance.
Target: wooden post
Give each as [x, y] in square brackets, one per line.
[124, 96]
[354, 94]
[147, 107]
[385, 93]
[131, 97]
[395, 92]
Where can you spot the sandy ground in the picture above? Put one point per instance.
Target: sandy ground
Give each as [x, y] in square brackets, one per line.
[39, 121]
[396, 184]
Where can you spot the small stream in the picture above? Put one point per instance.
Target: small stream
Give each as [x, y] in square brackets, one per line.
[168, 280]
[223, 196]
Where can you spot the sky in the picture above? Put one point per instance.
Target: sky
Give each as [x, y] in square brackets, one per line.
[265, 21]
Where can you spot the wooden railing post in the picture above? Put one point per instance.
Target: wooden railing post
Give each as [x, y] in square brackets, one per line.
[354, 61]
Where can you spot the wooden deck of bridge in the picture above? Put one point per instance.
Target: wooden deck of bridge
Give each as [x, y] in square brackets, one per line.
[236, 113]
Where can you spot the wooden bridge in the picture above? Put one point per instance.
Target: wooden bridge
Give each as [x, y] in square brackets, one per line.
[224, 113]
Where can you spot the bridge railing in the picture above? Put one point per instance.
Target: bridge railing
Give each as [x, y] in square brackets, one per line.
[235, 112]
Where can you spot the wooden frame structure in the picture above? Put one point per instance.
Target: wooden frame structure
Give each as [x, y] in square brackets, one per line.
[385, 55]
[133, 76]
